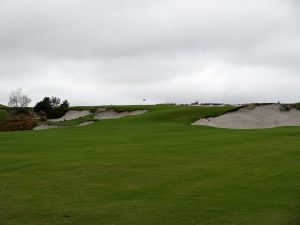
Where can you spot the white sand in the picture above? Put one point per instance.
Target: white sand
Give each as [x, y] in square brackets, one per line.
[71, 115]
[45, 127]
[112, 114]
[207, 105]
[101, 114]
[265, 116]
[85, 123]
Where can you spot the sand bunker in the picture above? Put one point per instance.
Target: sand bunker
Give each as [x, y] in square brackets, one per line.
[71, 115]
[101, 114]
[264, 116]
[209, 105]
[45, 127]
[85, 123]
[112, 114]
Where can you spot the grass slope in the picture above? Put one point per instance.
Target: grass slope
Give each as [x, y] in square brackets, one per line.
[151, 169]
[3, 107]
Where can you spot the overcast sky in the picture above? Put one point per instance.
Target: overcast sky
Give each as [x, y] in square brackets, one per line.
[95, 52]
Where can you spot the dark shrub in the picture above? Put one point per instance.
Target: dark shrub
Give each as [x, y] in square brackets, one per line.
[51, 107]
[93, 110]
[20, 111]
[251, 106]
[285, 107]
[296, 106]
[43, 118]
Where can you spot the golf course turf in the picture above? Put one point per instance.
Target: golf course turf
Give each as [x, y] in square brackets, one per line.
[150, 169]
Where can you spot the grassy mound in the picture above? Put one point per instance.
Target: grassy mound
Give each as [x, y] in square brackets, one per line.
[151, 169]
[3, 107]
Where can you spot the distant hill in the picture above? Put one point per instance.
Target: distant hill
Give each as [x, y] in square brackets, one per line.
[3, 106]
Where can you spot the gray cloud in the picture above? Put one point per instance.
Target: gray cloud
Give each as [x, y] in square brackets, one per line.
[119, 52]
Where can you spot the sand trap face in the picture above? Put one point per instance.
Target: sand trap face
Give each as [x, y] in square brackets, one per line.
[266, 116]
[71, 115]
[101, 114]
[85, 124]
[112, 114]
[45, 127]
[209, 105]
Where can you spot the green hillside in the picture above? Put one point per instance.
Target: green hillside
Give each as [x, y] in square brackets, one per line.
[3, 106]
[151, 169]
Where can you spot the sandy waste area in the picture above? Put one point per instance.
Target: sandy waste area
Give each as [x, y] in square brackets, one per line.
[264, 116]
[71, 115]
[112, 114]
[101, 114]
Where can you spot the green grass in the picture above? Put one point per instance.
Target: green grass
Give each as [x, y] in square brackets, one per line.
[3, 107]
[3, 115]
[154, 168]
[120, 108]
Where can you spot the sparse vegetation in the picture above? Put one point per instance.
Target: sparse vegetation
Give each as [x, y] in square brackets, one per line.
[19, 102]
[195, 103]
[288, 107]
[251, 106]
[296, 106]
[285, 107]
[18, 116]
[93, 110]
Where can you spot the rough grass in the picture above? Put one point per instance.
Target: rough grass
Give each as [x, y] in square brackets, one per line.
[3, 115]
[151, 169]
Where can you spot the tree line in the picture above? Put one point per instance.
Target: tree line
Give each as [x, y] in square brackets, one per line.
[50, 107]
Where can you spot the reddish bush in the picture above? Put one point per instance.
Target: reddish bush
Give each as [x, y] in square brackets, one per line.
[18, 122]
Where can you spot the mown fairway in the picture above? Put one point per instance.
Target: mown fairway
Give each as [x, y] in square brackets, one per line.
[151, 169]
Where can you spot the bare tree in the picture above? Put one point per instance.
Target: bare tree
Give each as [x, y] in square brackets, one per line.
[18, 100]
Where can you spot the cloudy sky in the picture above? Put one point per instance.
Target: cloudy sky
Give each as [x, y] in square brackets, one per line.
[123, 51]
